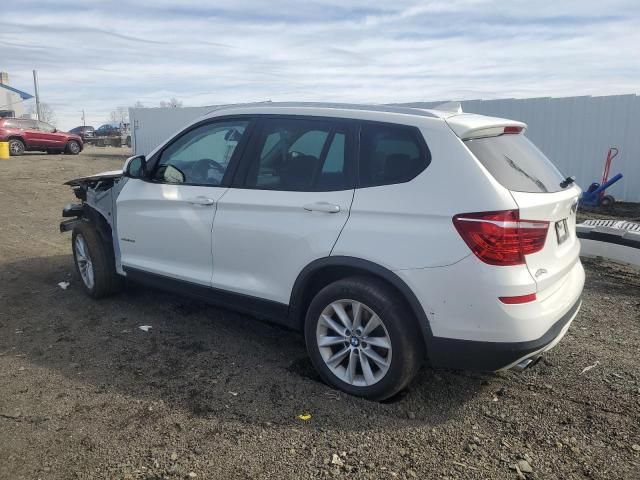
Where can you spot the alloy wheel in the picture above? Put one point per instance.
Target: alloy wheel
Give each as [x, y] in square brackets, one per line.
[16, 147]
[354, 343]
[83, 259]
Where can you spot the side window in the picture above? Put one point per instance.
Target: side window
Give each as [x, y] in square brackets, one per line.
[200, 156]
[29, 124]
[45, 127]
[390, 154]
[299, 155]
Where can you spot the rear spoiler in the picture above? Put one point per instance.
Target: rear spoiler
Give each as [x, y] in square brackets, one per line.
[469, 125]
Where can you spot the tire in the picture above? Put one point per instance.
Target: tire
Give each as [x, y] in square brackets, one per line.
[73, 147]
[398, 329]
[16, 147]
[607, 201]
[94, 262]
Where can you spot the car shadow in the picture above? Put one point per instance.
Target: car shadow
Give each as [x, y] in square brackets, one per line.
[212, 362]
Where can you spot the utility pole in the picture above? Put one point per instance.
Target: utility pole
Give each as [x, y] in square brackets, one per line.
[35, 86]
[84, 123]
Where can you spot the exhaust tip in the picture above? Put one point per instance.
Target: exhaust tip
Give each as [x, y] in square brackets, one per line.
[523, 365]
[526, 363]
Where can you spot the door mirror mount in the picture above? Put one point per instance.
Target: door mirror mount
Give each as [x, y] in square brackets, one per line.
[135, 167]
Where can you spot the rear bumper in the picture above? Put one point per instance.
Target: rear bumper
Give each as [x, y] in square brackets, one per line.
[492, 356]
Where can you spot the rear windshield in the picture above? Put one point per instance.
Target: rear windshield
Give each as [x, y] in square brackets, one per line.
[517, 163]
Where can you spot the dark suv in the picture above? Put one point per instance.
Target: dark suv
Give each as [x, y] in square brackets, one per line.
[108, 130]
[85, 132]
[33, 135]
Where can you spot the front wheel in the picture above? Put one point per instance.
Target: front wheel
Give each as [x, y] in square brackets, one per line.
[94, 262]
[73, 147]
[362, 338]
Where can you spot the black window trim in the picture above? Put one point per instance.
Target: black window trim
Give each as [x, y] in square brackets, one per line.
[335, 123]
[235, 175]
[233, 162]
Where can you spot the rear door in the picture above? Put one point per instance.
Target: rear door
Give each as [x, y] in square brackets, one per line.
[31, 134]
[534, 182]
[287, 206]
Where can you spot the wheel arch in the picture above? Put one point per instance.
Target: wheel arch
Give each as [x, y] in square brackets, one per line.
[324, 271]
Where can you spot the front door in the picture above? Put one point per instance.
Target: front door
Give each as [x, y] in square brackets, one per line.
[286, 207]
[49, 137]
[164, 221]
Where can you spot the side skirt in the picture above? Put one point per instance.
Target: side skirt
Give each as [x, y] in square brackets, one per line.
[269, 310]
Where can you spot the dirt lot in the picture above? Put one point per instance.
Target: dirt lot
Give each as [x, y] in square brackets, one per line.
[208, 393]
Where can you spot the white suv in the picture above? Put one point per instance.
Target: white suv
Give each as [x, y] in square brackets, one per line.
[388, 235]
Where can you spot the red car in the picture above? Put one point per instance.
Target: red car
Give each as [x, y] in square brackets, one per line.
[31, 135]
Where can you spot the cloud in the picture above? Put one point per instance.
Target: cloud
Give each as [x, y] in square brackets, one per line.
[99, 55]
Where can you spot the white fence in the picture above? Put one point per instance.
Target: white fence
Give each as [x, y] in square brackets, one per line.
[152, 126]
[574, 132]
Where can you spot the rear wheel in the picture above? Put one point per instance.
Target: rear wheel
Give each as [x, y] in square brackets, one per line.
[94, 262]
[362, 339]
[16, 147]
[73, 147]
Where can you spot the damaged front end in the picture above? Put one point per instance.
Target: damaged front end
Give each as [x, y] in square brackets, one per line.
[96, 193]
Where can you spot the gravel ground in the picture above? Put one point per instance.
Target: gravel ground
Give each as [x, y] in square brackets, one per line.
[84, 393]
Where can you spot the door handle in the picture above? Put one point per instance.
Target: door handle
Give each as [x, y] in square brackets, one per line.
[204, 201]
[324, 207]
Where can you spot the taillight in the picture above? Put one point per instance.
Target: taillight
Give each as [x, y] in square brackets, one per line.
[501, 238]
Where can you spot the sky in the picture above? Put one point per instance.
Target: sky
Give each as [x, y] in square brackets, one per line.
[99, 55]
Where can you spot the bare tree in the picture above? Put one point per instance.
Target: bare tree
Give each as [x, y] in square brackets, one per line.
[47, 114]
[119, 115]
[123, 114]
[172, 103]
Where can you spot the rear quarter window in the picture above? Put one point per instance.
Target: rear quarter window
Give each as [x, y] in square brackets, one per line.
[391, 154]
[516, 163]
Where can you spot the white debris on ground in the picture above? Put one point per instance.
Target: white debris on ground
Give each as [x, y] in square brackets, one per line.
[63, 285]
[145, 328]
[586, 369]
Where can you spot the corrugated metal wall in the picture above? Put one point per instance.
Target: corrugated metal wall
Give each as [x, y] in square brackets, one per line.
[574, 132]
[152, 126]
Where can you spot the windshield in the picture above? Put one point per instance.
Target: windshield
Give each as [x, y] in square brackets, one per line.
[517, 163]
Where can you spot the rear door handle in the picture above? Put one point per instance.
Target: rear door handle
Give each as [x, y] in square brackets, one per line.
[322, 207]
[204, 201]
